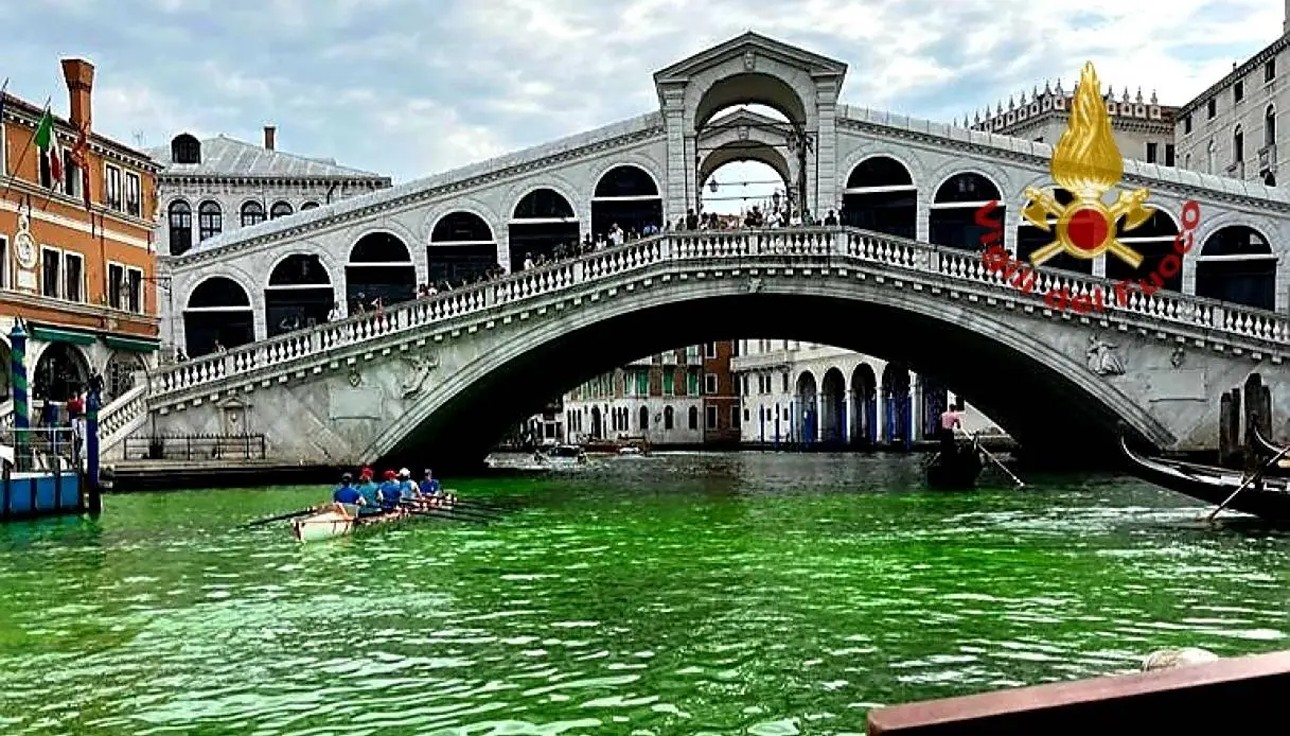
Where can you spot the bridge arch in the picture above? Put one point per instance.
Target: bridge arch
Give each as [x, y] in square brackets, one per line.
[833, 407]
[806, 404]
[748, 151]
[880, 195]
[896, 403]
[460, 416]
[462, 248]
[298, 293]
[629, 196]
[543, 224]
[60, 370]
[379, 267]
[769, 83]
[217, 315]
[951, 219]
[1236, 264]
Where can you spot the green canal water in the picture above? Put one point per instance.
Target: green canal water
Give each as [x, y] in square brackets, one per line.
[680, 594]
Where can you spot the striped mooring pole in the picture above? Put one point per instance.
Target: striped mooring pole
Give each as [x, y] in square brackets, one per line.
[21, 405]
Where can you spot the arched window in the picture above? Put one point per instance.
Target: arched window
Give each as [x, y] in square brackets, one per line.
[1236, 264]
[694, 417]
[1238, 148]
[543, 225]
[669, 418]
[218, 316]
[462, 249]
[309, 206]
[210, 220]
[1270, 125]
[280, 209]
[628, 197]
[185, 149]
[180, 215]
[252, 214]
[1211, 157]
[952, 217]
[880, 196]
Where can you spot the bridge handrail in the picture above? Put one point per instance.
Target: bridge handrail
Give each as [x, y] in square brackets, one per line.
[865, 246]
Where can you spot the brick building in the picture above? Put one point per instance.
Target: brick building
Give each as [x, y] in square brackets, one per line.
[76, 261]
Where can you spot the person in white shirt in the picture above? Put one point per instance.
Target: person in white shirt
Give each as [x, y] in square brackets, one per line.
[336, 314]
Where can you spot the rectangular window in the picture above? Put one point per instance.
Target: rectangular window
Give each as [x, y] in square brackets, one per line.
[50, 272]
[133, 195]
[734, 417]
[71, 175]
[1151, 153]
[135, 283]
[1238, 91]
[112, 187]
[1169, 154]
[710, 350]
[1211, 108]
[642, 383]
[711, 417]
[691, 384]
[1270, 70]
[74, 277]
[785, 383]
[692, 354]
[46, 178]
[669, 383]
[4, 264]
[710, 384]
[116, 286]
[1186, 123]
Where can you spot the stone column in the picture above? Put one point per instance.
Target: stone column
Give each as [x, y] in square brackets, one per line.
[921, 228]
[819, 415]
[852, 417]
[826, 191]
[678, 163]
[880, 412]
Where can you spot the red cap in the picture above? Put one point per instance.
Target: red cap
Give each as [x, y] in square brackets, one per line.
[391, 475]
[365, 473]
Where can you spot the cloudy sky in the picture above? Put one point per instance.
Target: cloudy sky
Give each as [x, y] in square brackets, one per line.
[413, 87]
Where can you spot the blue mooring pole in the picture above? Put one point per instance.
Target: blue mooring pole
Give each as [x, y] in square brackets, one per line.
[93, 401]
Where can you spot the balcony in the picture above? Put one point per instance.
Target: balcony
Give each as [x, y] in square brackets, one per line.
[1236, 170]
[1268, 159]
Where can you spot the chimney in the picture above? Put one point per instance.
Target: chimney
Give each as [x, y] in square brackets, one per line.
[79, 74]
[270, 132]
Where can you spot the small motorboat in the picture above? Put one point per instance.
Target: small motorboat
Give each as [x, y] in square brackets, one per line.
[1267, 498]
[957, 471]
[561, 456]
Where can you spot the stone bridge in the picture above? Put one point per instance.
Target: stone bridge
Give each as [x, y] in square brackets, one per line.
[439, 379]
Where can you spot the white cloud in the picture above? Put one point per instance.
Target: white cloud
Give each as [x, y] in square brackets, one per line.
[454, 81]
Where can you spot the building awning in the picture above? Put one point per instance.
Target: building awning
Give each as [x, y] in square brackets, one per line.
[136, 344]
[58, 334]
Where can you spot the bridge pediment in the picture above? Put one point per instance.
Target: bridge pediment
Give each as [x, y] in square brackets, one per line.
[739, 49]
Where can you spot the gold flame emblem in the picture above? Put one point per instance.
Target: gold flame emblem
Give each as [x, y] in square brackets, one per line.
[1087, 164]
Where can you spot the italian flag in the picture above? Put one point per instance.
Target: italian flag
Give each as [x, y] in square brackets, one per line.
[47, 142]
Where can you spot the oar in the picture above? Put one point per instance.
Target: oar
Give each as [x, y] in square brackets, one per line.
[995, 460]
[1249, 481]
[438, 514]
[279, 517]
[453, 509]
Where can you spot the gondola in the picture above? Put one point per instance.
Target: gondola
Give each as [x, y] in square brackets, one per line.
[1268, 499]
[1282, 467]
[957, 471]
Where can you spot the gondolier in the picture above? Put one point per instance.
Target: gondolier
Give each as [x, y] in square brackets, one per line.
[951, 420]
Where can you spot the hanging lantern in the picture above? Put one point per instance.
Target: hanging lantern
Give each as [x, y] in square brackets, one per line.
[712, 186]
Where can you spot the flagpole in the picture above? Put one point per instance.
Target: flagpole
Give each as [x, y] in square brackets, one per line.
[5, 88]
[25, 148]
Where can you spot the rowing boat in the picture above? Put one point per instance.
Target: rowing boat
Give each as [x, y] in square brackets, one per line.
[338, 522]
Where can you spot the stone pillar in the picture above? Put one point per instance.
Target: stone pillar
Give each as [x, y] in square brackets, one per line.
[880, 412]
[679, 165]
[819, 415]
[827, 193]
[849, 437]
[921, 228]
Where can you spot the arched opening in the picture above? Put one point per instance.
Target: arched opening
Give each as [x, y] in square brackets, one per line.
[1031, 238]
[935, 400]
[119, 377]
[1270, 125]
[750, 88]
[755, 117]
[252, 213]
[833, 407]
[881, 196]
[1236, 265]
[185, 149]
[738, 191]
[693, 418]
[669, 418]
[543, 227]
[1153, 240]
[179, 217]
[280, 209]
[379, 268]
[218, 315]
[1211, 157]
[597, 426]
[61, 372]
[952, 218]
[210, 220]
[1238, 151]
[299, 294]
[628, 197]
[311, 205]
[864, 395]
[462, 249]
[807, 423]
[896, 402]
[644, 418]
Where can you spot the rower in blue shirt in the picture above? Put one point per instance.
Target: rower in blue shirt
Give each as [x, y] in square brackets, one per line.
[429, 484]
[369, 491]
[347, 496]
[390, 491]
[407, 485]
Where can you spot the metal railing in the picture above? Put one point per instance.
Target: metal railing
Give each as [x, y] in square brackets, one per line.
[40, 449]
[196, 447]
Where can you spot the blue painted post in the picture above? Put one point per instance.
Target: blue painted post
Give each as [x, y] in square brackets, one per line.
[21, 404]
[93, 402]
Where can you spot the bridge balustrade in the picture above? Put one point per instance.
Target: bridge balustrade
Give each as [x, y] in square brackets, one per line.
[803, 246]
